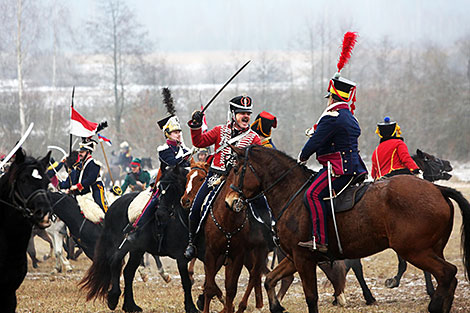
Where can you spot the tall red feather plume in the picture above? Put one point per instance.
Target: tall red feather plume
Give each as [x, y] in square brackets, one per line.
[350, 39]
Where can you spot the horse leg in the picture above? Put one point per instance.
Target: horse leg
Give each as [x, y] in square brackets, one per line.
[308, 274]
[232, 273]
[43, 234]
[429, 285]
[135, 257]
[395, 281]
[191, 270]
[211, 267]
[356, 266]
[283, 269]
[255, 269]
[443, 271]
[115, 269]
[286, 281]
[189, 306]
[143, 270]
[32, 252]
[336, 274]
[166, 277]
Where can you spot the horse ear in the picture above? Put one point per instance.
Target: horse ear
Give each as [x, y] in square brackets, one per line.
[237, 150]
[419, 153]
[19, 156]
[207, 166]
[45, 161]
[192, 163]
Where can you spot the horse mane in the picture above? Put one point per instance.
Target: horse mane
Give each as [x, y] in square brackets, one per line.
[15, 168]
[276, 156]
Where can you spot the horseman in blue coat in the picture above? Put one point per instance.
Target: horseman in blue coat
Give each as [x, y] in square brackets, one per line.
[85, 175]
[170, 154]
[334, 139]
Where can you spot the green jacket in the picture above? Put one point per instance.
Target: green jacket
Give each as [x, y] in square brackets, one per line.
[131, 180]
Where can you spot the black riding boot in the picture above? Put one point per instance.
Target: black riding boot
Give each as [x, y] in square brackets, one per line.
[190, 252]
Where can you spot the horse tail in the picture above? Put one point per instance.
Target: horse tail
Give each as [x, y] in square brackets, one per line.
[97, 279]
[465, 209]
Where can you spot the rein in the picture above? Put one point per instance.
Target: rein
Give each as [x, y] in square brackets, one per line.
[22, 207]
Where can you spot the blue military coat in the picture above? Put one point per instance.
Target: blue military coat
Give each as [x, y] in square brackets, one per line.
[171, 154]
[336, 140]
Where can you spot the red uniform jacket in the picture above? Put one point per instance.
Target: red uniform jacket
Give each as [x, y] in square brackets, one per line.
[391, 155]
[218, 136]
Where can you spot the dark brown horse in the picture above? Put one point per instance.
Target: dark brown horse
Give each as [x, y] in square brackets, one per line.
[336, 273]
[409, 215]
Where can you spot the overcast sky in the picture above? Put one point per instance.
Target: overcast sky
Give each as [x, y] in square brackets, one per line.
[195, 25]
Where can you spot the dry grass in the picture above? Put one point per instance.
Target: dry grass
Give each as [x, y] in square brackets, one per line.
[42, 292]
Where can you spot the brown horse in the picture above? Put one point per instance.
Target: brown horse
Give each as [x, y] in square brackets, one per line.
[336, 273]
[409, 215]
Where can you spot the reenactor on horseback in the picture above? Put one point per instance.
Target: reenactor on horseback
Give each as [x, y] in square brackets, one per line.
[172, 153]
[263, 125]
[236, 132]
[85, 175]
[137, 179]
[125, 157]
[334, 139]
[391, 157]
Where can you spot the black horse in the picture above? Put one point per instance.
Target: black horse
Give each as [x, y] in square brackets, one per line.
[105, 271]
[433, 169]
[23, 203]
[84, 232]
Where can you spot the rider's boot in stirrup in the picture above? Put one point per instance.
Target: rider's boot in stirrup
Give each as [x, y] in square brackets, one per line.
[190, 252]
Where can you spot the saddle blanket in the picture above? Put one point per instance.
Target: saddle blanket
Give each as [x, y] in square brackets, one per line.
[90, 209]
[138, 204]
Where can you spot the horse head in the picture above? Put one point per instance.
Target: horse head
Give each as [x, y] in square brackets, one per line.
[245, 183]
[433, 168]
[172, 185]
[72, 159]
[24, 187]
[195, 178]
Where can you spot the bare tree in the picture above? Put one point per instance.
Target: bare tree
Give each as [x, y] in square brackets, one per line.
[121, 38]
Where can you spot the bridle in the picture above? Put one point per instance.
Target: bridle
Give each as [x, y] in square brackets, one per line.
[21, 203]
[436, 169]
[239, 189]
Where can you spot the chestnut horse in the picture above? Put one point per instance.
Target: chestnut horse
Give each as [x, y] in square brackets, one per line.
[336, 273]
[409, 215]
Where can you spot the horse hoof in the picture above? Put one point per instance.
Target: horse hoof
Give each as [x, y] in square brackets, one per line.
[166, 277]
[341, 300]
[391, 283]
[200, 302]
[113, 300]
[35, 265]
[46, 257]
[370, 301]
[131, 308]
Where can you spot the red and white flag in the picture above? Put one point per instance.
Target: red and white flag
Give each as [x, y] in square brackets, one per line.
[81, 127]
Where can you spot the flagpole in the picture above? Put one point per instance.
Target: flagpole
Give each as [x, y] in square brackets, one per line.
[106, 159]
[70, 142]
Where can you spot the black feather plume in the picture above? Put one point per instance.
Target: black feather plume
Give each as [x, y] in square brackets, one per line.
[168, 101]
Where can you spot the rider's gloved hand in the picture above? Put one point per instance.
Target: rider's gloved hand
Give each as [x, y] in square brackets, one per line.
[196, 119]
[300, 161]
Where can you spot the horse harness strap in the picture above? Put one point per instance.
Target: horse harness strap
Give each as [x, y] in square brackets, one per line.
[228, 235]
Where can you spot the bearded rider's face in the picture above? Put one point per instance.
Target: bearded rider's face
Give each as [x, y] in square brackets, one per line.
[82, 155]
[243, 119]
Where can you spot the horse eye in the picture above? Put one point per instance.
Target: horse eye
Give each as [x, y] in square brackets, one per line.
[426, 159]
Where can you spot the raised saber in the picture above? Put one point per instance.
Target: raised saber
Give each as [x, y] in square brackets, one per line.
[64, 155]
[225, 85]
[18, 145]
[333, 208]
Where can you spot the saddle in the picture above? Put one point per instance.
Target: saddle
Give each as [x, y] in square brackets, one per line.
[138, 204]
[350, 195]
[90, 209]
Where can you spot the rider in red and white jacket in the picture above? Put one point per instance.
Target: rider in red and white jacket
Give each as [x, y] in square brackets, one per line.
[236, 132]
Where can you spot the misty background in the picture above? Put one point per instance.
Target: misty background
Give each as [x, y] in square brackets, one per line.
[411, 62]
